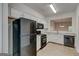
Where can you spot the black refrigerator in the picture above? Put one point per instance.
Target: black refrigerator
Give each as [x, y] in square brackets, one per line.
[24, 37]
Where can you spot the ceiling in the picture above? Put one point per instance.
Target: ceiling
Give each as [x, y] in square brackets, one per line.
[45, 10]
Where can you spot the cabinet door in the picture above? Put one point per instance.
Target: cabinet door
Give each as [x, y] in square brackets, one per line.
[52, 38]
[27, 16]
[38, 42]
[16, 13]
[16, 38]
[69, 41]
[60, 38]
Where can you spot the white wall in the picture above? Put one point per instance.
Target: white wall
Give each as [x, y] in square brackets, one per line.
[77, 29]
[5, 28]
[0, 28]
[10, 37]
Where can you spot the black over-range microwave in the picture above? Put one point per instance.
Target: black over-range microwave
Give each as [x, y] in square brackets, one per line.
[40, 26]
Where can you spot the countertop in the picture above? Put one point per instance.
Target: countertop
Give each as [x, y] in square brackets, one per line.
[62, 33]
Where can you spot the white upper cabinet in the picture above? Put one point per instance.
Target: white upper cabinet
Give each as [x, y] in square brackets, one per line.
[28, 16]
[16, 13]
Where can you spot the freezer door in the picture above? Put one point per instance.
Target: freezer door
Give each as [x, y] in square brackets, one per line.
[16, 38]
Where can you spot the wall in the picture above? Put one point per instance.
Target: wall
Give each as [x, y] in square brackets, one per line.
[57, 25]
[5, 28]
[0, 28]
[10, 37]
[52, 25]
[77, 29]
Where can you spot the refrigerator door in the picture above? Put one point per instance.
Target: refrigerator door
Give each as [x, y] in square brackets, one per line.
[16, 38]
[24, 37]
[28, 37]
[33, 37]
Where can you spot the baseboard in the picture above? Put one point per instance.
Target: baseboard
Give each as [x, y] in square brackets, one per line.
[4, 54]
[55, 43]
[40, 48]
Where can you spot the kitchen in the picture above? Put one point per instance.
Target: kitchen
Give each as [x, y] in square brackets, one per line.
[51, 28]
[45, 30]
[60, 33]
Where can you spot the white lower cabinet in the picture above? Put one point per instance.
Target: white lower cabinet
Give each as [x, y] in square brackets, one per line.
[60, 39]
[57, 38]
[52, 37]
[38, 42]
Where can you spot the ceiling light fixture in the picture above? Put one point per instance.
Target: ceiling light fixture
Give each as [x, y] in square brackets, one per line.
[52, 7]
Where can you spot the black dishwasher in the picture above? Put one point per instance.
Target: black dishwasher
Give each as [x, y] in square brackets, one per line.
[69, 41]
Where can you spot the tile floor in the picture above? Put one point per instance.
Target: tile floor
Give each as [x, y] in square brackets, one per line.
[57, 50]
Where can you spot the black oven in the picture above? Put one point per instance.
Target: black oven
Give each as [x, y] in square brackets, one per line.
[40, 26]
[43, 40]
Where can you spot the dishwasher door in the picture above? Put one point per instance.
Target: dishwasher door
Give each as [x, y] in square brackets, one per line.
[69, 41]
